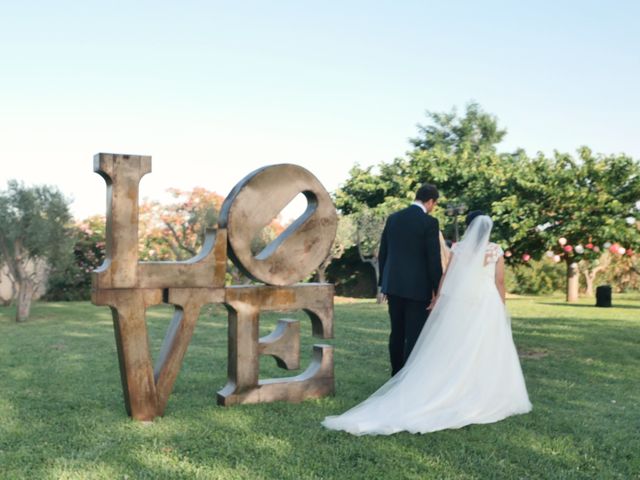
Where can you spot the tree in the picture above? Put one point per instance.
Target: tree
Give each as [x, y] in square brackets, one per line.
[73, 280]
[591, 267]
[34, 230]
[457, 154]
[624, 272]
[175, 231]
[477, 131]
[575, 209]
[345, 237]
[369, 227]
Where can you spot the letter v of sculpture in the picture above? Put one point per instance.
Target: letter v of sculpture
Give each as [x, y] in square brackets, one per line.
[129, 287]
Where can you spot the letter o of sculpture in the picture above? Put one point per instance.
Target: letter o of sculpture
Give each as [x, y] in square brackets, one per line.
[256, 201]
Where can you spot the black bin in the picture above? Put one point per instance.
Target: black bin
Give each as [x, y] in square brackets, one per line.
[603, 296]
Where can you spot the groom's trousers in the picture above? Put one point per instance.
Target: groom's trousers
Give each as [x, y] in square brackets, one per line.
[407, 319]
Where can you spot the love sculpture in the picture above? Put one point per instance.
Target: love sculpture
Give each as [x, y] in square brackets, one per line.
[129, 287]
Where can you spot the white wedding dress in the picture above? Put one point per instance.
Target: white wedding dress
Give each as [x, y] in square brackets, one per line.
[464, 367]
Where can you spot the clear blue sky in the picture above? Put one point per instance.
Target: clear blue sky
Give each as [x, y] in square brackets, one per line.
[213, 90]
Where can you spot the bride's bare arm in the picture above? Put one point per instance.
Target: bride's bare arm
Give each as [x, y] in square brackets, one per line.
[500, 278]
[444, 275]
[445, 271]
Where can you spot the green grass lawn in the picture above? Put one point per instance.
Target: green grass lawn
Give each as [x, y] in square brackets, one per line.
[62, 414]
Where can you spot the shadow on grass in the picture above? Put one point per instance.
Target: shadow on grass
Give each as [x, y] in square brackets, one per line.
[581, 305]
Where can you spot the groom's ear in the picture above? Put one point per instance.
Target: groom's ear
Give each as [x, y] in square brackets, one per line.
[430, 204]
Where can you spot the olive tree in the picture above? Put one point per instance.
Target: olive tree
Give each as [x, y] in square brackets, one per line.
[33, 231]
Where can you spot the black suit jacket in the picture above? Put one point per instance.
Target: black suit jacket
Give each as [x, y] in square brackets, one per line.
[409, 255]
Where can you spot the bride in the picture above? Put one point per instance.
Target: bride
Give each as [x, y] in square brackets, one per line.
[464, 368]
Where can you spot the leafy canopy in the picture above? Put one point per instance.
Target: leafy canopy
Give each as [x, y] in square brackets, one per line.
[33, 223]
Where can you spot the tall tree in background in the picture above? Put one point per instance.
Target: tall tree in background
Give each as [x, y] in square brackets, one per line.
[477, 131]
[34, 231]
[458, 154]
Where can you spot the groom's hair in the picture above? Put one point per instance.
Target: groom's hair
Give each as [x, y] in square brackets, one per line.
[473, 214]
[427, 192]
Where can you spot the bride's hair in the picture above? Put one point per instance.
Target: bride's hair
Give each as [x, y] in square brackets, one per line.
[472, 215]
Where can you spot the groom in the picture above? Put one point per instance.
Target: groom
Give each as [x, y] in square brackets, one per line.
[410, 271]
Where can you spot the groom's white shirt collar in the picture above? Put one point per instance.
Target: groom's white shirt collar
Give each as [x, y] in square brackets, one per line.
[421, 205]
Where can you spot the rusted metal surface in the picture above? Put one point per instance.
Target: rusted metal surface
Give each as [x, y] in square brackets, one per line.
[129, 287]
[244, 305]
[283, 344]
[257, 200]
[128, 307]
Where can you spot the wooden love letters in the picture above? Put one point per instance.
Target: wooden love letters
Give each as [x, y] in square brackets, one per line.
[129, 287]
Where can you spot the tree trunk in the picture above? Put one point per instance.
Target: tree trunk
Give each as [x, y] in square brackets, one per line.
[376, 267]
[588, 278]
[321, 274]
[590, 274]
[25, 296]
[373, 261]
[573, 281]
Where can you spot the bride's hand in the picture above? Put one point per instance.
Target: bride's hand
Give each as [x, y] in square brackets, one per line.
[432, 305]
